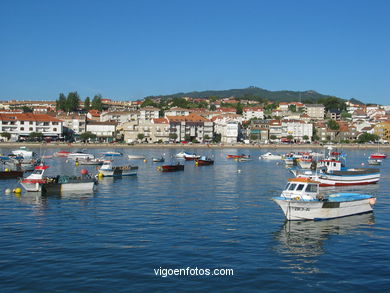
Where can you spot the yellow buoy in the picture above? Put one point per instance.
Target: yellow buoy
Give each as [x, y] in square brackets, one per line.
[100, 175]
[17, 190]
[145, 161]
[6, 170]
[77, 163]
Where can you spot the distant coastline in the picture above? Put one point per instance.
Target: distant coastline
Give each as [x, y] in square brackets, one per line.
[189, 146]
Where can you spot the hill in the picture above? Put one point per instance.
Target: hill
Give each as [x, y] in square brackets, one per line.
[255, 93]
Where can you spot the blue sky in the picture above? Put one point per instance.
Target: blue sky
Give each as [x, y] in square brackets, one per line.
[131, 49]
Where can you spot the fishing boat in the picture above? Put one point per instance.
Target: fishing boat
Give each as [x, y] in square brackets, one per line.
[80, 156]
[301, 200]
[158, 160]
[10, 171]
[374, 161]
[108, 170]
[37, 182]
[289, 159]
[237, 156]
[26, 154]
[112, 154]
[380, 156]
[305, 162]
[181, 155]
[270, 156]
[243, 159]
[191, 157]
[136, 157]
[87, 161]
[171, 168]
[61, 154]
[332, 172]
[204, 161]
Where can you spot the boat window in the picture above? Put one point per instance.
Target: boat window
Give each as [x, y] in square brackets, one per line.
[300, 187]
[292, 186]
[311, 188]
[287, 186]
[38, 172]
[334, 164]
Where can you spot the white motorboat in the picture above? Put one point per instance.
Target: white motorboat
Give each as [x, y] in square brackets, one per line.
[181, 155]
[301, 200]
[37, 182]
[26, 154]
[305, 162]
[136, 157]
[270, 156]
[374, 162]
[108, 170]
[112, 154]
[80, 155]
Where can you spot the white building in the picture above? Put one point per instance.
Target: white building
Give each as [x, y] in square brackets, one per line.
[120, 116]
[148, 113]
[21, 125]
[73, 123]
[229, 126]
[105, 131]
[176, 111]
[191, 127]
[253, 113]
[297, 128]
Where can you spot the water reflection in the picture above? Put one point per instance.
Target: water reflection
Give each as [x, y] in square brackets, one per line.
[300, 243]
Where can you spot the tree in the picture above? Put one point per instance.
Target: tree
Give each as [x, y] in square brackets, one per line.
[61, 103]
[292, 108]
[87, 104]
[87, 136]
[187, 137]
[6, 135]
[290, 137]
[273, 137]
[179, 102]
[217, 137]
[36, 136]
[213, 107]
[97, 103]
[173, 136]
[333, 103]
[72, 102]
[27, 109]
[239, 108]
[367, 137]
[148, 102]
[345, 115]
[140, 136]
[305, 137]
[332, 124]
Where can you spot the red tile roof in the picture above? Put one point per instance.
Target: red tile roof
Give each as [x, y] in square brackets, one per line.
[190, 118]
[160, 121]
[28, 117]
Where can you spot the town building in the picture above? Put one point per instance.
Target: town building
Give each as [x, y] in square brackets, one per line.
[315, 111]
[192, 127]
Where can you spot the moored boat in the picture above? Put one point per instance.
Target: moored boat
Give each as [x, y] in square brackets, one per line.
[80, 156]
[181, 155]
[204, 161]
[374, 161]
[136, 157]
[108, 170]
[305, 162]
[37, 182]
[158, 160]
[171, 168]
[112, 154]
[378, 156]
[191, 157]
[270, 156]
[61, 154]
[238, 156]
[301, 200]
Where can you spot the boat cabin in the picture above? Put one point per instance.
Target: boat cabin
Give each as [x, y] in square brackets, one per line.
[301, 189]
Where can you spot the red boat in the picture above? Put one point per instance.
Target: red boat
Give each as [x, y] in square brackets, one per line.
[203, 161]
[61, 154]
[11, 174]
[237, 156]
[191, 157]
[171, 168]
[378, 156]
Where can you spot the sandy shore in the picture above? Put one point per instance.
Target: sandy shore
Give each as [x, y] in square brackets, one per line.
[189, 146]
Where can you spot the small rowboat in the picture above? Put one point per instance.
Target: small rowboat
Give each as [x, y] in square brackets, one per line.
[171, 168]
[61, 154]
[237, 156]
[136, 157]
[374, 162]
[191, 157]
[204, 161]
[158, 160]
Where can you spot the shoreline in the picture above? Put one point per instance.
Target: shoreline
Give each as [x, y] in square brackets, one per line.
[189, 146]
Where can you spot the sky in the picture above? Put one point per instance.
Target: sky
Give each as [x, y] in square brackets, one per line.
[127, 50]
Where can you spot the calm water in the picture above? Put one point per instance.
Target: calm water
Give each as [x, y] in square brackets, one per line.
[207, 217]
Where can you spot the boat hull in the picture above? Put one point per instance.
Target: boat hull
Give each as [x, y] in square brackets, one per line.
[345, 178]
[57, 188]
[295, 210]
[118, 173]
[171, 168]
[11, 174]
[204, 162]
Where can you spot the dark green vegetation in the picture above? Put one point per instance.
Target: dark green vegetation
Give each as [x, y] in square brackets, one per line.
[258, 94]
